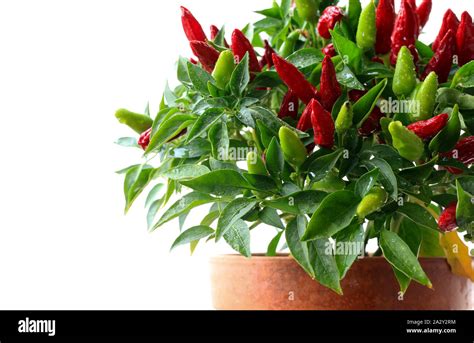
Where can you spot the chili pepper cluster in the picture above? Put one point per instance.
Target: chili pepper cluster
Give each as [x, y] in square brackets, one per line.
[342, 109]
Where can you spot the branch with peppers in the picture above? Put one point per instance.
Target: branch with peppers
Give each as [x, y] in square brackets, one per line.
[320, 110]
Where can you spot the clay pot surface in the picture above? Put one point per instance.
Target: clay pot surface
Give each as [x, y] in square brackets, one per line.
[279, 283]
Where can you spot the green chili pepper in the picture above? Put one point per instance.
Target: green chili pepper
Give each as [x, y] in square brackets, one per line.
[225, 65]
[408, 144]
[372, 202]
[308, 9]
[331, 183]
[137, 122]
[426, 98]
[344, 118]
[293, 148]
[288, 47]
[404, 79]
[255, 164]
[366, 31]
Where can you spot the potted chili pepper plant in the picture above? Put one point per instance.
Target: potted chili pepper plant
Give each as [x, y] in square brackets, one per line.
[336, 126]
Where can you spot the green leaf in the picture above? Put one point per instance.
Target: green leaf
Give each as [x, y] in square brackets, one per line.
[304, 202]
[352, 54]
[450, 97]
[199, 78]
[410, 233]
[324, 264]
[420, 173]
[183, 75]
[365, 105]
[238, 237]
[352, 239]
[274, 158]
[219, 182]
[153, 195]
[354, 10]
[270, 120]
[186, 171]
[152, 211]
[240, 77]
[262, 183]
[169, 129]
[305, 58]
[136, 179]
[387, 177]
[183, 205]
[270, 217]
[193, 234]
[324, 223]
[465, 207]
[464, 77]
[447, 138]
[322, 165]
[197, 148]
[365, 183]
[419, 215]
[348, 79]
[424, 50]
[399, 255]
[219, 138]
[273, 246]
[204, 122]
[127, 142]
[299, 250]
[234, 211]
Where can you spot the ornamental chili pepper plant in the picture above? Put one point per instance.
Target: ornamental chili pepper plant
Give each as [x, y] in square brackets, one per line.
[331, 124]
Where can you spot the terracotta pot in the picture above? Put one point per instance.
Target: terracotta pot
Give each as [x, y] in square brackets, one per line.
[279, 283]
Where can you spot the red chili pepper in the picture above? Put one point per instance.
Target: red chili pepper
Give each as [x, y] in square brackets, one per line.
[267, 56]
[412, 4]
[447, 219]
[289, 106]
[193, 61]
[377, 59]
[323, 126]
[329, 18]
[191, 26]
[450, 22]
[356, 94]
[384, 21]
[462, 152]
[426, 129]
[465, 40]
[206, 54]
[240, 46]
[372, 124]
[294, 79]
[423, 11]
[330, 90]
[144, 139]
[304, 124]
[404, 31]
[214, 32]
[329, 50]
[442, 60]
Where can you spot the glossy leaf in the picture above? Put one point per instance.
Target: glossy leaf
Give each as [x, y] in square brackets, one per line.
[234, 211]
[365, 183]
[324, 223]
[299, 250]
[238, 237]
[304, 202]
[419, 215]
[400, 256]
[193, 234]
[324, 264]
[366, 104]
[447, 138]
[204, 122]
[352, 239]
[387, 177]
[275, 160]
[322, 165]
[183, 205]
[219, 182]
[240, 77]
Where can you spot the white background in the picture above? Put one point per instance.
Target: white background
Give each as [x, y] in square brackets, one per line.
[65, 67]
